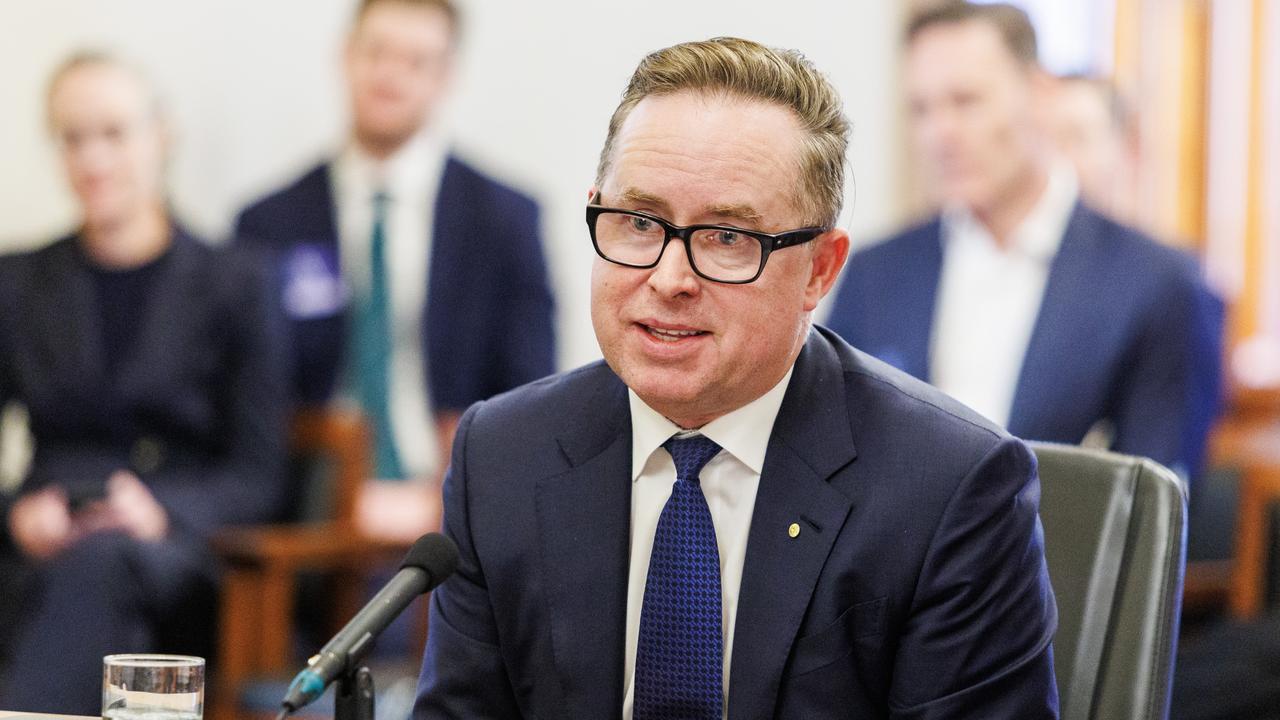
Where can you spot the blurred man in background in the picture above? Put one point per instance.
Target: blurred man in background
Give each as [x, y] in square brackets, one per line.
[151, 370]
[1018, 299]
[414, 285]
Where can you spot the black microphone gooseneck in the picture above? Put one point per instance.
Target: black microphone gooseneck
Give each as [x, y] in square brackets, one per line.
[431, 560]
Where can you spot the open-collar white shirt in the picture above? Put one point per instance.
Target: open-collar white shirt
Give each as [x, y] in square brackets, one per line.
[411, 179]
[729, 482]
[989, 298]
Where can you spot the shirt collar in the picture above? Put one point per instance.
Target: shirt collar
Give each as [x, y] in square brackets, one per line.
[744, 432]
[409, 172]
[1040, 233]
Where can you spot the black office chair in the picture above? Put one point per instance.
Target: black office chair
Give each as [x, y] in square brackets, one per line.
[1115, 541]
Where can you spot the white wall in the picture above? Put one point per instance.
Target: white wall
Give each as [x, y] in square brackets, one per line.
[254, 89]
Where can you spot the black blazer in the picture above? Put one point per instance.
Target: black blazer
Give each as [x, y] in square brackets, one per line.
[917, 587]
[197, 410]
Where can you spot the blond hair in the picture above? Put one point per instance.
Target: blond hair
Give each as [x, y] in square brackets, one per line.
[101, 58]
[753, 71]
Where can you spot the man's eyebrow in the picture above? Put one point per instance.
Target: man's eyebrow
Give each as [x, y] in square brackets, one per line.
[639, 197]
[732, 211]
[735, 211]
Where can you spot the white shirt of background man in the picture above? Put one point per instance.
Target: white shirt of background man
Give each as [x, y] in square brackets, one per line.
[989, 298]
[411, 179]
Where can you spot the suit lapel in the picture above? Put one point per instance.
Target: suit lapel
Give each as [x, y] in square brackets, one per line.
[811, 441]
[916, 302]
[65, 312]
[444, 272]
[584, 521]
[321, 228]
[1058, 332]
[317, 192]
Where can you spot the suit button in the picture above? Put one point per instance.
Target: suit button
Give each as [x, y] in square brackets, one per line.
[793, 530]
[147, 455]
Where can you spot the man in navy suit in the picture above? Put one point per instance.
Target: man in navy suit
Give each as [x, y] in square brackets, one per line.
[735, 514]
[1026, 305]
[414, 284]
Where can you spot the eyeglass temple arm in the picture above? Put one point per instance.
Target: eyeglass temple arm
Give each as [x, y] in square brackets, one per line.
[796, 237]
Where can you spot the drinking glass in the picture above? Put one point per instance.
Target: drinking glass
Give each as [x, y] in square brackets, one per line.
[152, 687]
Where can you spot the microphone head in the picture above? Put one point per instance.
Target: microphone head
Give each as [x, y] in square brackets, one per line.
[435, 554]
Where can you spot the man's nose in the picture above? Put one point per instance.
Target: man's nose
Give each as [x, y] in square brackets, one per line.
[674, 275]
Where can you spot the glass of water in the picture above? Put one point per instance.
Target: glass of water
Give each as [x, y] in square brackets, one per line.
[152, 687]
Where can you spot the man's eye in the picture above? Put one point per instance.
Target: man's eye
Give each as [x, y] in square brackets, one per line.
[640, 224]
[727, 237]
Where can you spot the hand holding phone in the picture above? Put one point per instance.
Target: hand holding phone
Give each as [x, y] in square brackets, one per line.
[127, 506]
[40, 523]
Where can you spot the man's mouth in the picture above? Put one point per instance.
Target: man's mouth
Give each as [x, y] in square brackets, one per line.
[670, 335]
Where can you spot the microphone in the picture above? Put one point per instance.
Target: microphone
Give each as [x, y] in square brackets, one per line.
[431, 560]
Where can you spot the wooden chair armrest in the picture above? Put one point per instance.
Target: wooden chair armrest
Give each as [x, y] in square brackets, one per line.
[316, 546]
[258, 594]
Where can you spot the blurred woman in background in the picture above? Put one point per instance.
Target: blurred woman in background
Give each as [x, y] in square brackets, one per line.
[150, 368]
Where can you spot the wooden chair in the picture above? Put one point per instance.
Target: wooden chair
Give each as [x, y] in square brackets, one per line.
[262, 563]
[1249, 439]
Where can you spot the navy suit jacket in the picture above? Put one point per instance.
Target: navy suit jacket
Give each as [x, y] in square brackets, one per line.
[916, 588]
[1127, 332]
[197, 410]
[488, 318]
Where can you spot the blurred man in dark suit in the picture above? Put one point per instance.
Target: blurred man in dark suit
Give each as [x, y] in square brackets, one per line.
[1018, 300]
[154, 379]
[735, 514]
[413, 284]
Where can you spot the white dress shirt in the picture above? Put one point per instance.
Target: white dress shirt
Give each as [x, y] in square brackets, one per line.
[729, 482]
[411, 180]
[989, 297]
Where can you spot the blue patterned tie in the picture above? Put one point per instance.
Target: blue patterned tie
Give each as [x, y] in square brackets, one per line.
[679, 656]
[372, 346]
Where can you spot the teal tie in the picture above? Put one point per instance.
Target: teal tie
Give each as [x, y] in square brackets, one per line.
[372, 347]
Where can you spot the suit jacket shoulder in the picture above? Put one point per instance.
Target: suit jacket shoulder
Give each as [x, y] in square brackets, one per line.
[885, 301]
[910, 242]
[1148, 262]
[487, 189]
[301, 208]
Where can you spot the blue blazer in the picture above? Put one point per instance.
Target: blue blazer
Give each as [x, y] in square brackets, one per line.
[916, 588]
[197, 411]
[488, 318]
[1127, 332]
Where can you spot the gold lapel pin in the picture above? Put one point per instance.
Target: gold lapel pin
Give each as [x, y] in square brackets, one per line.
[793, 530]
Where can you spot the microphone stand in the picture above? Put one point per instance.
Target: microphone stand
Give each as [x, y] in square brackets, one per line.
[353, 697]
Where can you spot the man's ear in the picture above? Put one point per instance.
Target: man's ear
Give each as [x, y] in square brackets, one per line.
[593, 193]
[830, 250]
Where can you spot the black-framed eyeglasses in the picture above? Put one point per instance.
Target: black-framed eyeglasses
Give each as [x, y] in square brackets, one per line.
[720, 253]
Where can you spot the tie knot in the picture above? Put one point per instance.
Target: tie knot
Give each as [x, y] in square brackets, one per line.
[691, 454]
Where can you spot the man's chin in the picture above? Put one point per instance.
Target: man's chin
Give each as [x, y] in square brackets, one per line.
[105, 214]
[385, 134]
[674, 400]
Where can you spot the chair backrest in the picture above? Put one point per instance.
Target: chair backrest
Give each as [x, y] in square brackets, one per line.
[330, 459]
[1115, 541]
